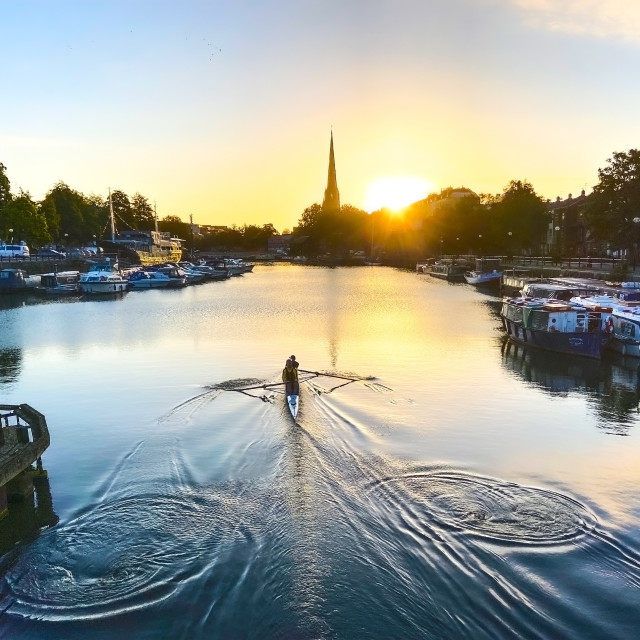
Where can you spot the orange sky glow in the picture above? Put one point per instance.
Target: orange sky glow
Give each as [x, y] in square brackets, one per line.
[223, 111]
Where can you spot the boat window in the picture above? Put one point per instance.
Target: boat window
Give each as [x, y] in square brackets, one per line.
[512, 313]
[540, 320]
[627, 329]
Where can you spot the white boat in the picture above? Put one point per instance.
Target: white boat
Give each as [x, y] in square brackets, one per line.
[176, 275]
[293, 402]
[143, 279]
[625, 328]
[234, 266]
[482, 278]
[487, 273]
[102, 278]
[208, 272]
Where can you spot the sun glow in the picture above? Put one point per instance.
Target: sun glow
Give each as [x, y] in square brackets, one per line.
[396, 192]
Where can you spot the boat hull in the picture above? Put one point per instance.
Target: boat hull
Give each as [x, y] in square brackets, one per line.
[571, 343]
[450, 275]
[95, 288]
[140, 285]
[624, 347]
[293, 402]
[483, 279]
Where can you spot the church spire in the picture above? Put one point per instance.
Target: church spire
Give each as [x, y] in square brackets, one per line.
[331, 200]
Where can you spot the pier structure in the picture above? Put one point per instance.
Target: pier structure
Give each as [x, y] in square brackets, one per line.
[24, 436]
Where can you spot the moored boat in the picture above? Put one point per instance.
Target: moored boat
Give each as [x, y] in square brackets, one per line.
[103, 278]
[143, 279]
[177, 277]
[59, 283]
[234, 266]
[486, 273]
[554, 325]
[447, 270]
[146, 247]
[12, 280]
[140, 246]
[625, 329]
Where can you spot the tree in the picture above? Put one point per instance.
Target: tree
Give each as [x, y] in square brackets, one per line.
[175, 226]
[256, 238]
[122, 212]
[5, 197]
[63, 209]
[615, 201]
[142, 213]
[28, 223]
[523, 213]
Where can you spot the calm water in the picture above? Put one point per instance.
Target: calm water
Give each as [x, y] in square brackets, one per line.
[456, 488]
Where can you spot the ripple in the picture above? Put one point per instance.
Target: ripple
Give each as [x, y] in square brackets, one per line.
[493, 509]
[123, 556]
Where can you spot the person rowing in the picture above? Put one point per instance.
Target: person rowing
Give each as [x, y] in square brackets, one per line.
[292, 386]
[290, 378]
[295, 363]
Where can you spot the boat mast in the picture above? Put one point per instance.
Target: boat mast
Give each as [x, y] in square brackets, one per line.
[155, 216]
[113, 226]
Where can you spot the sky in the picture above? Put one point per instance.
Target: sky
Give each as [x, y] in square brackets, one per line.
[223, 110]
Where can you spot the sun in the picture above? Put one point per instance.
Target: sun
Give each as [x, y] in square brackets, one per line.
[396, 192]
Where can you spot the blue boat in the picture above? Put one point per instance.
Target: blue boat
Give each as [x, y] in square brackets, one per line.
[554, 325]
[12, 280]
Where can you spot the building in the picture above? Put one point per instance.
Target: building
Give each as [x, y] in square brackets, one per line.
[331, 200]
[567, 229]
[279, 244]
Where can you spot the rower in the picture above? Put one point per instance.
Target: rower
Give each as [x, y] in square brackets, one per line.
[295, 363]
[290, 379]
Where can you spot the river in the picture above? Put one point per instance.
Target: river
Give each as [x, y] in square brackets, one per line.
[444, 485]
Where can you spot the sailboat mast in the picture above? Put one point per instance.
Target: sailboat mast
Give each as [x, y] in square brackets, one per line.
[113, 226]
[155, 216]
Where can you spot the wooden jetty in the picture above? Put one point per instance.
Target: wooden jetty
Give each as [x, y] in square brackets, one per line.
[24, 436]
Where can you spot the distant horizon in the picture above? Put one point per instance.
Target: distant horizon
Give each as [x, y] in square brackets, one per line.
[223, 111]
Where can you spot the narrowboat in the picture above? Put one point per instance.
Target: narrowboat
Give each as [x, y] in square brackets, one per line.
[559, 326]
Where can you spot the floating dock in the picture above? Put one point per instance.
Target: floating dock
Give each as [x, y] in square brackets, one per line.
[24, 436]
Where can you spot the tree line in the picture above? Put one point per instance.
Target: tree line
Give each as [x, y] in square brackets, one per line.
[513, 222]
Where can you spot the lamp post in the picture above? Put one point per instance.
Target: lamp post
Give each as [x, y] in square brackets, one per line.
[509, 252]
[480, 245]
[11, 234]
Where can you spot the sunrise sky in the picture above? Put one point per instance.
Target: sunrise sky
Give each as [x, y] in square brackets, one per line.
[223, 109]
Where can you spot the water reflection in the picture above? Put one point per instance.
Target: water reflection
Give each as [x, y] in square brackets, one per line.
[612, 384]
[10, 364]
[26, 519]
[557, 375]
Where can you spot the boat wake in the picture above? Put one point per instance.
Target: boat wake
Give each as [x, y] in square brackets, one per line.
[495, 510]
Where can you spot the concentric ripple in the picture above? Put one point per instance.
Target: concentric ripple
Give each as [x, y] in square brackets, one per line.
[123, 555]
[487, 507]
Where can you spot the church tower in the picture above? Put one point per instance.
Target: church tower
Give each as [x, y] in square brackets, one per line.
[331, 200]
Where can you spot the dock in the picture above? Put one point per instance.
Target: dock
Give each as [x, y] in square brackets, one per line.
[24, 436]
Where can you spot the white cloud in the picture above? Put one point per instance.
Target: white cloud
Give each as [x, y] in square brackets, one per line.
[600, 18]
